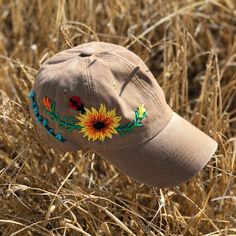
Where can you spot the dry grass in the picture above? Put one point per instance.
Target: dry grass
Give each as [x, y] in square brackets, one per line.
[190, 46]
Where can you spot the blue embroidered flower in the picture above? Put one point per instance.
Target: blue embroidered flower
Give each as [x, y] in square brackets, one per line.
[58, 137]
[45, 122]
[50, 131]
[31, 94]
[38, 119]
[36, 111]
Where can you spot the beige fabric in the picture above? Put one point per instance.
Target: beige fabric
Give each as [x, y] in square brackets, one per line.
[103, 73]
[172, 157]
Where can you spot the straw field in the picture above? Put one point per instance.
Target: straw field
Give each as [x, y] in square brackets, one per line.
[190, 47]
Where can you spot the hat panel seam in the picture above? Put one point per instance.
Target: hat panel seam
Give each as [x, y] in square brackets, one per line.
[64, 62]
[140, 86]
[91, 83]
[85, 80]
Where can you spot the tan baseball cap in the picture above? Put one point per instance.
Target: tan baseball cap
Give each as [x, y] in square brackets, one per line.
[101, 96]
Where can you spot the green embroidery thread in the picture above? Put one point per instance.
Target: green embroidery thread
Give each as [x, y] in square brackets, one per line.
[40, 119]
[95, 124]
[122, 129]
[67, 122]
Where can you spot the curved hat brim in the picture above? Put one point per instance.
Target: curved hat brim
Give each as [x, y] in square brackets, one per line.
[170, 158]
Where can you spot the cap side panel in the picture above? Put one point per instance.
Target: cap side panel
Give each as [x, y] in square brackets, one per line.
[92, 79]
[90, 85]
[147, 82]
[106, 71]
[149, 91]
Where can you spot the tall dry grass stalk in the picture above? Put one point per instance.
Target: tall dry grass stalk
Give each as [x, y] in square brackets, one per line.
[190, 46]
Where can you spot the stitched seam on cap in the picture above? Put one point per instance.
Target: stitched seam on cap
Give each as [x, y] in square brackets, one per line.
[93, 92]
[145, 92]
[90, 82]
[84, 79]
[140, 85]
[64, 62]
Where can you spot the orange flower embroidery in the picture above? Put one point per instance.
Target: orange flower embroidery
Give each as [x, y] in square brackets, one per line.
[47, 103]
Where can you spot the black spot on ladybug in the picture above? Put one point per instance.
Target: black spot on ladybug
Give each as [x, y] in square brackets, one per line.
[76, 104]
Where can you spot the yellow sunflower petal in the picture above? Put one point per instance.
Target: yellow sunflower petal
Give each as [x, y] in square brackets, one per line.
[109, 135]
[114, 131]
[94, 111]
[102, 109]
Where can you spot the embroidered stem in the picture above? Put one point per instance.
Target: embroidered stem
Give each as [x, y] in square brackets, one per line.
[139, 115]
[68, 122]
[41, 119]
[95, 124]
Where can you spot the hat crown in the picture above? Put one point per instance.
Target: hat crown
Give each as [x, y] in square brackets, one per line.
[102, 78]
[101, 96]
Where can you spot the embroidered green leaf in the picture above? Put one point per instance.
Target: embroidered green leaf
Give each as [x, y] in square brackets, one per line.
[70, 126]
[140, 113]
[68, 122]
[52, 108]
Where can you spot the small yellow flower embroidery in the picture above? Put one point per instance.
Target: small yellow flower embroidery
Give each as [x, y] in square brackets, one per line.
[141, 110]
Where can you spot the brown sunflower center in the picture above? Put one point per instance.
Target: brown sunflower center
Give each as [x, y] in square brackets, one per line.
[99, 125]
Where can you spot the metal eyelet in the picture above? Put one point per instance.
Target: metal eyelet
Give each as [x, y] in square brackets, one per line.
[65, 92]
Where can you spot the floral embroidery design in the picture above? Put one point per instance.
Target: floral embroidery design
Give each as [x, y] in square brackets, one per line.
[99, 124]
[76, 104]
[94, 124]
[41, 119]
[47, 103]
[140, 113]
[68, 122]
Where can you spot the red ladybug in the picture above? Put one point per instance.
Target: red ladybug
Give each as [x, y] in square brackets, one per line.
[76, 104]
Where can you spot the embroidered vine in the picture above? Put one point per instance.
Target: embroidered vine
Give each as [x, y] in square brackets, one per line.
[68, 122]
[94, 124]
[41, 119]
[140, 113]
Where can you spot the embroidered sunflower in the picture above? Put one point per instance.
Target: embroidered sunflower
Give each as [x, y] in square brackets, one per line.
[99, 124]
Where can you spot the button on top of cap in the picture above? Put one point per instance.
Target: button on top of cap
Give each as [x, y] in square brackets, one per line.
[86, 52]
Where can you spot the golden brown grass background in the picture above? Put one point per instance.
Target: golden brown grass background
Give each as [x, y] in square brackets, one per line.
[190, 46]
